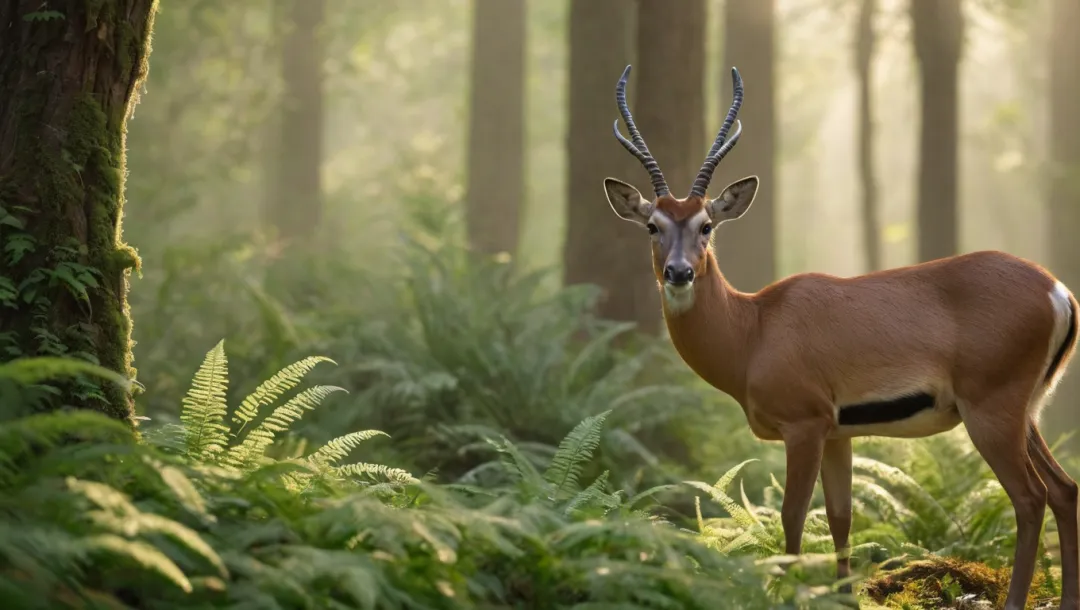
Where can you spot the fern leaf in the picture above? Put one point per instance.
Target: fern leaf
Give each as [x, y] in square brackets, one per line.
[574, 450]
[375, 471]
[272, 389]
[338, 448]
[718, 493]
[519, 465]
[149, 522]
[143, 554]
[204, 406]
[593, 496]
[258, 440]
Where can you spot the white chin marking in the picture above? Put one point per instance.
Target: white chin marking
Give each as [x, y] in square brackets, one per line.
[679, 298]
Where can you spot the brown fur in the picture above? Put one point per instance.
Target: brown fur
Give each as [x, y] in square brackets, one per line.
[680, 209]
[978, 326]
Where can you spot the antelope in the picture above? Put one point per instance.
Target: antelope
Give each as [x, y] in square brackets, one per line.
[816, 360]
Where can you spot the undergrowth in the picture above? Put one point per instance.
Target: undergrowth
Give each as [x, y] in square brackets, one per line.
[198, 515]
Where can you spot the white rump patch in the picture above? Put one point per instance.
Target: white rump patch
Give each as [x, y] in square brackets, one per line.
[1060, 300]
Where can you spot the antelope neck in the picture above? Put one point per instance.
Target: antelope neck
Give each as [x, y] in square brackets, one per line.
[713, 335]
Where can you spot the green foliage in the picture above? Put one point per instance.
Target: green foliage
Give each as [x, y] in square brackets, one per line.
[119, 523]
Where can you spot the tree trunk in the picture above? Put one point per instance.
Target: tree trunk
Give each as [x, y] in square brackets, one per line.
[70, 71]
[600, 248]
[864, 58]
[937, 32]
[746, 248]
[495, 189]
[1064, 184]
[296, 199]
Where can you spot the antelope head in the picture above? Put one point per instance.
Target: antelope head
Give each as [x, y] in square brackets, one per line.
[681, 229]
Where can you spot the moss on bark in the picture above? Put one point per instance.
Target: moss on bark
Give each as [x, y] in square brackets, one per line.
[61, 188]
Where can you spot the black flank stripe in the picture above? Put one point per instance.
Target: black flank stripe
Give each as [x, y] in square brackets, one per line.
[885, 411]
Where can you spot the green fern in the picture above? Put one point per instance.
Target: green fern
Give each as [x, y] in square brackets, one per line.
[144, 555]
[272, 389]
[376, 472]
[115, 513]
[204, 407]
[337, 449]
[254, 445]
[575, 449]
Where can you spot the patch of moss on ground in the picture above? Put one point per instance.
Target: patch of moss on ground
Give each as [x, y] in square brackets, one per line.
[941, 582]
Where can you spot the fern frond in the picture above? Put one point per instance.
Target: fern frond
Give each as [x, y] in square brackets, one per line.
[204, 406]
[338, 448]
[595, 496]
[272, 389]
[28, 371]
[143, 554]
[717, 492]
[575, 449]
[117, 514]
[376, 471]
[519, 465]
[254, 445]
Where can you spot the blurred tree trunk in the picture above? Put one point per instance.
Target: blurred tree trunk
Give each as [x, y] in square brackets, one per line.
[600, 248]
[1064, 187]
[670, 107]
[937, 32]
[296, 193]
[864, 59]
[495, 188]
[746, 248]
[70, 76]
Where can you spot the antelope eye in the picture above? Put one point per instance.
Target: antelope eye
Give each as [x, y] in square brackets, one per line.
[652, 229]
[705, 230]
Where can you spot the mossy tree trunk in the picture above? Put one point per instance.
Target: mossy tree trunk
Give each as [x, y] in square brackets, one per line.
[70, 71]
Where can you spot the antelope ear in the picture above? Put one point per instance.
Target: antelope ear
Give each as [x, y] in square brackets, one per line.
[627, 202]
[734, 201]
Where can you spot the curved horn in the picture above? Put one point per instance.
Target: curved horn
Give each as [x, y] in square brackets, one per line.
[637, 147]
[722, 145]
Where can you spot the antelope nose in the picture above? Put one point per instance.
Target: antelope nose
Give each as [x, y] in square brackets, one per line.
[678, 275]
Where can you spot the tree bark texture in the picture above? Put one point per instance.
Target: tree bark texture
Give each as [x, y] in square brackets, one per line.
[495, 185]
[600, 248]
[937, 32]
[669, 110]
[296, 202]
[70, 71]
[864, 59]
[746, 248]
[1064, 185]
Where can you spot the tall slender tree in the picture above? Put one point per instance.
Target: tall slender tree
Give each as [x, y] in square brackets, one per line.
[670, 108]
[937, 32]
[495, 188]
[1064, 181]
[70, 72]
[599, 248]
[864, 59]
[296, 197]
[747, 249]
